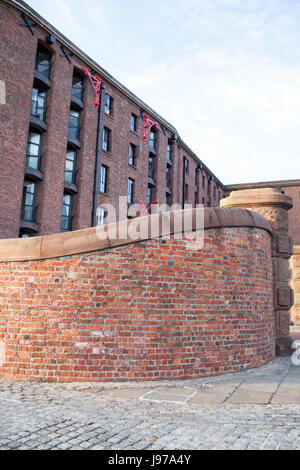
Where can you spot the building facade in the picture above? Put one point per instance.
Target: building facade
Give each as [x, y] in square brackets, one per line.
[49, 132]
[290, 188]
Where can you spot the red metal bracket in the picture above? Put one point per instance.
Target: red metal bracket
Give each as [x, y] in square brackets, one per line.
[96, 84]
[146, 209]
[147, 125]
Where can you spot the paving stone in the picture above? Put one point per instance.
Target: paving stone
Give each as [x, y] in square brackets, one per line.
[170, 394]
[292, 382]
[126, 393]
[289, 392]
[255, 390]
[215, 393]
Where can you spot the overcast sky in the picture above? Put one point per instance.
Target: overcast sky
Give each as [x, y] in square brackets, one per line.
[225, 73]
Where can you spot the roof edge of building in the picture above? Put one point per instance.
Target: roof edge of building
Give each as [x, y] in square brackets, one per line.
[263, 184]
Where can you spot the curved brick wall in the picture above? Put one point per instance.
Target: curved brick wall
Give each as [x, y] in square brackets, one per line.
[142, 311]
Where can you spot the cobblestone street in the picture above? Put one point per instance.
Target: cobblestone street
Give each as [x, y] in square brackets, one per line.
[257, 409]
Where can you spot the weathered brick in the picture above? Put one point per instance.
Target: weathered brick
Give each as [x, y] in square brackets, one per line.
[192, 319]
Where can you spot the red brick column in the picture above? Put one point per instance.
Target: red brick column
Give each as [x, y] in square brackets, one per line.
[274, 206]
[295, 266]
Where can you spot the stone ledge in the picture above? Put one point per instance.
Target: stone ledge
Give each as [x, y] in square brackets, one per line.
[101, 238]
[257, 197]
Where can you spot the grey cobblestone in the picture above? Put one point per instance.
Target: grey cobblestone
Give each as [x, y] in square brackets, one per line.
[62, 417]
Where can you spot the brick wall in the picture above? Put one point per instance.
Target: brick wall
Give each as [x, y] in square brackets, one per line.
[294, 213]
[145, 311]
[295, 283]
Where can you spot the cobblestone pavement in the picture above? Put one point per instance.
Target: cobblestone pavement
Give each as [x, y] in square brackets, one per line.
[257, 409]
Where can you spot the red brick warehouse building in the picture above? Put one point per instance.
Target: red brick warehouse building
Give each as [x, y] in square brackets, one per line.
[49, 131]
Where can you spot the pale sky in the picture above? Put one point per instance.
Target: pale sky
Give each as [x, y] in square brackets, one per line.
[225, 73]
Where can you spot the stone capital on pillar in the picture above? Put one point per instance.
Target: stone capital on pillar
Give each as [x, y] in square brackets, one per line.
[274, 206]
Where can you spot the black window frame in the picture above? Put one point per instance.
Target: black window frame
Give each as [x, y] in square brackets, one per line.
[72, 178]
[104, 179]
[132, 154]
[169, 151]
[37, 157]
[149, 192]
[69, 216]
[153, 140]
[168, 177]
[45, 71]
[77, 91]
[108, 105]
[41, 115]
[101, 214]
[186, 167]
[130, 191]
[186, 192]
[133, 122]
[74, 130]
[106, 139]
[151, 167]
[196, 178]
[32, 207]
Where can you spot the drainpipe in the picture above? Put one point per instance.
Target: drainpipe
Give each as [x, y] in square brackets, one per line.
[97, 166]
[183, 187]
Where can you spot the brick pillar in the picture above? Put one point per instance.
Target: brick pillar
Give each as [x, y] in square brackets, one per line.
[295, 266]
[274, 206]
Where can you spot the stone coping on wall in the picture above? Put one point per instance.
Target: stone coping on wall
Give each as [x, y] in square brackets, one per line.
[258, 197]
[102, 238]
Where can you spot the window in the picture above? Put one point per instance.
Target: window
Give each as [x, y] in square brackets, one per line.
[168, 176]
[168, 199]
[24, 234]
[33, 155]
[151, 168]
[43, 61]
[70, 169]
[74, 124]
[196, 177]
[103, 179]
[133, 125]
[106, 139]
[66, 219]
[186, 165]
[152, 140]
[108, 105]
[196, 198]
[203, 181]
[149, 195]
[77, 86]
[130, 191]
[186, 193]
[38, 104]
[169, 151]
[208, 186]
[101, 213]
[28, 203]
[132, 154]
